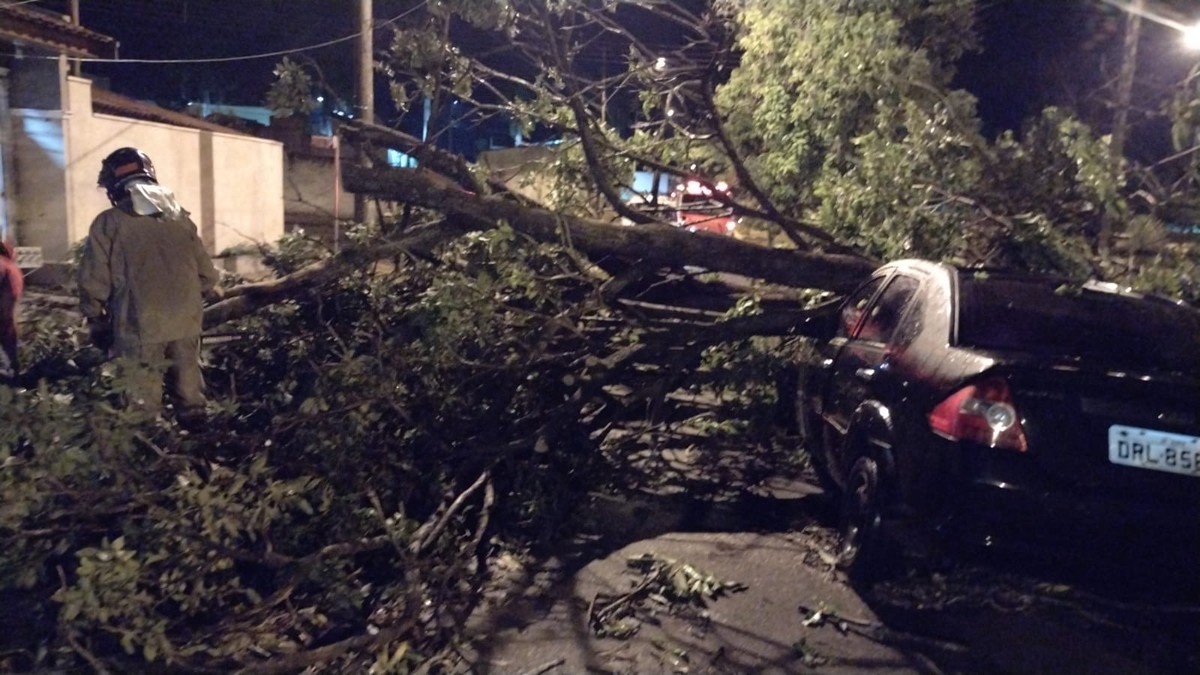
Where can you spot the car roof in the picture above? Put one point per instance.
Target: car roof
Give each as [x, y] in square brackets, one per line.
[954, 272]
[928, 267]
[934, 267]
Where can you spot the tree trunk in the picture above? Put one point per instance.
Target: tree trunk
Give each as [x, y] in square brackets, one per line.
[648, 245]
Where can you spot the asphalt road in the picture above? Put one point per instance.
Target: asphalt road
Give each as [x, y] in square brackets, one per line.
[796, 614]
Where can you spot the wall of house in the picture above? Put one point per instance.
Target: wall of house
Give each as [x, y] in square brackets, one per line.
[7, 184]
[39, 162]
[243, 191]
[311, 194]
[232, 184]
[35, 152]
[524, 169]
[37, 83]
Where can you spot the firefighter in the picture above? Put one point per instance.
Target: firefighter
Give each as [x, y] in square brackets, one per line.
[143, 280]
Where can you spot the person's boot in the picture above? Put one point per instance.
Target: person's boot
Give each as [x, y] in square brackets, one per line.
[192, 418]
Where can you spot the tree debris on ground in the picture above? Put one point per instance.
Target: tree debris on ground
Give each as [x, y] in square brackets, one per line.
[666, 585]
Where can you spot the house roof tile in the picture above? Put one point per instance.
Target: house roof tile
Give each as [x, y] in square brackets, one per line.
[52, 31]
[115, 104]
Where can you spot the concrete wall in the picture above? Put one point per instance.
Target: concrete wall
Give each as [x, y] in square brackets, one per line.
[523, 169]
[311, 195]
[37, 83]
[232, 184]
[38, 204]
[246, 200]
[7, 181]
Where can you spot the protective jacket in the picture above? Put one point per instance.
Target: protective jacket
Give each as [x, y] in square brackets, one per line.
[12, 285]
[145, 270]
[12, 280]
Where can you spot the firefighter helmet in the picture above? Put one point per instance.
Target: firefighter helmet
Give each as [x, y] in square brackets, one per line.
[122, 166]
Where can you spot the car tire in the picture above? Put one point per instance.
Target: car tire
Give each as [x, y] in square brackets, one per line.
[863, 552]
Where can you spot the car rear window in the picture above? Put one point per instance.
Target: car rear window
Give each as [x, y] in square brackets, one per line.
[1062, 319]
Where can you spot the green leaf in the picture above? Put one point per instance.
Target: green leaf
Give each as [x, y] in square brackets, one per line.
[71, 609]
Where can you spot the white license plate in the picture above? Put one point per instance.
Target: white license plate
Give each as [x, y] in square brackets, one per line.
[1157, 450]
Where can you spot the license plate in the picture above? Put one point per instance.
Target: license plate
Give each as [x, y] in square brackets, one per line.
[1156, 450]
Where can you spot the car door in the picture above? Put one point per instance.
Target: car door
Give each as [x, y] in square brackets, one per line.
[818, 384]
[862, 370]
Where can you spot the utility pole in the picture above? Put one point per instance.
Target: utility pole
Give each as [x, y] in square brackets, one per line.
[75, 22]
[366, 96]
[1133, 30]
[1120, 132]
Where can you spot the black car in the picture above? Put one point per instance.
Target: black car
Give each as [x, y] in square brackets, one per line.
[1002, 407]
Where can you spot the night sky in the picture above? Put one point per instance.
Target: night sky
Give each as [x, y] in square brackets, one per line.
[1034, 52]
[207, 29]
[1037, 53]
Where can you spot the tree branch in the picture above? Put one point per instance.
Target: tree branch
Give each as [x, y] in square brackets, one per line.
[429, 531]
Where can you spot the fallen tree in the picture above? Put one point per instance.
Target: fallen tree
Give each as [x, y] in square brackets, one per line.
[650, 245]
[643, 250]
[458, 383]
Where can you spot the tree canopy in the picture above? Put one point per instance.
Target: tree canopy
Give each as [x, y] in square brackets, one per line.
[836, 123]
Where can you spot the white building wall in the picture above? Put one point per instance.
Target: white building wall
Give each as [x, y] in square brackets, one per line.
[247, 179]
[232, 184]
[312, 194]
[37, 204]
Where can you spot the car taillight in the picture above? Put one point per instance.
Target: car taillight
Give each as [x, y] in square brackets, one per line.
[982, 413]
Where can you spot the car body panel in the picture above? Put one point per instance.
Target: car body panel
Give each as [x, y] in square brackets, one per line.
[865, 393]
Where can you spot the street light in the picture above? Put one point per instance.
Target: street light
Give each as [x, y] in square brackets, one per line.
[1191, 37]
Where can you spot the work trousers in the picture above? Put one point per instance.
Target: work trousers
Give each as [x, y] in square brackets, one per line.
[8, 334]
[177, 363]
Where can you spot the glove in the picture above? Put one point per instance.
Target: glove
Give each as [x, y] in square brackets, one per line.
[100, 333]
[214, 295]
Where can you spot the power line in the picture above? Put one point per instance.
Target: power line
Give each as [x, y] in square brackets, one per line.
[264, 55]
[230, 59]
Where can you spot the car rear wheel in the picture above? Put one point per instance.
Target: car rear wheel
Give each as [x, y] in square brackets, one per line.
[863, 552]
